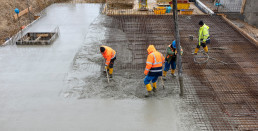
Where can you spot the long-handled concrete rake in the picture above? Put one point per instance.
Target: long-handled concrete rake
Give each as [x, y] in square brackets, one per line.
[107, 75]
[162, 83]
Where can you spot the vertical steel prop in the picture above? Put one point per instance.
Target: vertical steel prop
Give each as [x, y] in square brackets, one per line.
[17, 11]
[178, 47]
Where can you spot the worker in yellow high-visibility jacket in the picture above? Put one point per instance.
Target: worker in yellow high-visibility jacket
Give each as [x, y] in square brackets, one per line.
[204, 37]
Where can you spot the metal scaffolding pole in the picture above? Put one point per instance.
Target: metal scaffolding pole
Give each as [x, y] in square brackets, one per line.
[178, 47]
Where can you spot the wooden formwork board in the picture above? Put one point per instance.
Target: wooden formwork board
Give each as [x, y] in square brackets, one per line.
[135, 11]
[120, 2]
[22, 13]
[246, 35]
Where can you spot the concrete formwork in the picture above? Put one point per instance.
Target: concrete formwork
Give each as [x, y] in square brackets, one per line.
[227, 92]
[35, 81]
[41, 91]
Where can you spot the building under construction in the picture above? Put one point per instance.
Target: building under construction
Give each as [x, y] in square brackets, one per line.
[61, 85]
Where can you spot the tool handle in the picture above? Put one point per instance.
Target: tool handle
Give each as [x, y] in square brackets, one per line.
[107, 75]
[162, 82]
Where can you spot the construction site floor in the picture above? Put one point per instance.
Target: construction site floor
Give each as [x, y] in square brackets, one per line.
[63, 87]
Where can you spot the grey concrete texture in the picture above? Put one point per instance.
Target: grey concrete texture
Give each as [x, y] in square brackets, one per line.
[40, 85]
[251, 12]
[126, 83]
[230, 5]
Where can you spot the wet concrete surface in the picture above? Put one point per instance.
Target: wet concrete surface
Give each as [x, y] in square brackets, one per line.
[44, 87]
[221, 96]
[62, 87]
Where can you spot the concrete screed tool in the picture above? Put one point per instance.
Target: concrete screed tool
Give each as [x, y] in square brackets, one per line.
[162, 83]
[107, 75]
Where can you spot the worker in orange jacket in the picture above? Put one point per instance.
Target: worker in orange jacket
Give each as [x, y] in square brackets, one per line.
[110, 55]
[153, 69]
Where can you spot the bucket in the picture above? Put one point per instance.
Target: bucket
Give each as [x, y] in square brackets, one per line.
[168, 9]
[160, 10]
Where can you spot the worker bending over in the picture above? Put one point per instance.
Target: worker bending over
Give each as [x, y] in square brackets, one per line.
[170, 60]
[110, 55]
[153, 69]
[204, 37]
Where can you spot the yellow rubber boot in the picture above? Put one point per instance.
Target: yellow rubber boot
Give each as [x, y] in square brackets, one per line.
[164, 73]
[173, 72]
[110, 72]
[196, 50]
[154, 86]
[148, 87]
[206, 49]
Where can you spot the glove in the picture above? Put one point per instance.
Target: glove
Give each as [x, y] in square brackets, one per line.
[106, 67]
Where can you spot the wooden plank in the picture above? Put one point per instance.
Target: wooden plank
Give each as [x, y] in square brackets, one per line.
[247, 36]
[42, 35]
[243, 6]
[38, 38]
[27, 39]
[22, 13]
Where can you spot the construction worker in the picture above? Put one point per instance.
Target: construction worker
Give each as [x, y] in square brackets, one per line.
[110, 55]
[204, 37]
[153, 69]
[171, 59]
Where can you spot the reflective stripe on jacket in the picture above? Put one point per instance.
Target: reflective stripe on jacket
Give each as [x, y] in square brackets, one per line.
[203, 33]
[108, 54]
[154, 62]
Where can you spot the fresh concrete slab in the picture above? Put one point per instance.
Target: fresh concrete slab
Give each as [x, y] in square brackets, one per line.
[34, 79]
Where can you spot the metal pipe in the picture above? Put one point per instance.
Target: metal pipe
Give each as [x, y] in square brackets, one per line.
[178, 47]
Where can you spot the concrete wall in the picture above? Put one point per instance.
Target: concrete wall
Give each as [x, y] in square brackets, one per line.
[251, 12]
[230, 5]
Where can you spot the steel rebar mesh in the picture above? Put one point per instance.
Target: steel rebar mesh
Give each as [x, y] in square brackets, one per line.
[227, 93]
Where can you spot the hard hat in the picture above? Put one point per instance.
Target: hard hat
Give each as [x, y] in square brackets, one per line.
[174, 44]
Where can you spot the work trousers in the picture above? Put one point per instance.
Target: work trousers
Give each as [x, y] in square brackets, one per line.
[208, 41]
[172, 63]
[149, 79]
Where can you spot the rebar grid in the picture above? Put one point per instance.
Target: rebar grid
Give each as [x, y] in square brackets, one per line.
[226, 93]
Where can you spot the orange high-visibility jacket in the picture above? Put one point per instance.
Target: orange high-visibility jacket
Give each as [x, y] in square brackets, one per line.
[108, 54]
[154, 62]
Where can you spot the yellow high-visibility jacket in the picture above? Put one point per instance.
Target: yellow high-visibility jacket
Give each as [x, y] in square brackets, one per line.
[203, 33]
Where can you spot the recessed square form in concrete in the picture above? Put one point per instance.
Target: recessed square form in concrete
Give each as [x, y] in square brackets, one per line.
[38, 38]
